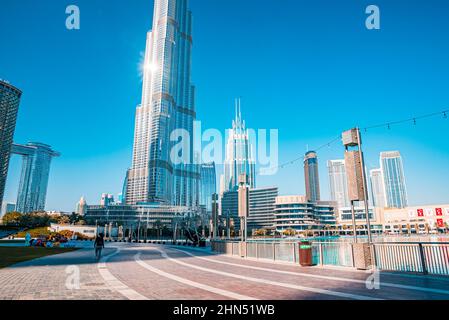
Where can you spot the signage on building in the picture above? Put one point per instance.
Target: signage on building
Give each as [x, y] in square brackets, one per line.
[429, 212]
[439, 212]
[420, 213]
[440, 223]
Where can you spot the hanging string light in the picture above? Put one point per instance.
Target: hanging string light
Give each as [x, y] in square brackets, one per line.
[382, 125]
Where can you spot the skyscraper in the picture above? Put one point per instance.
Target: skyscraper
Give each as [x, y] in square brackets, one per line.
[338, 183]
[377, 188]
[9, 106]
[34, 177]
[311, 176]
[394, 180]
[167, 107]
[239, 155]
[81, 207]
[208, 185]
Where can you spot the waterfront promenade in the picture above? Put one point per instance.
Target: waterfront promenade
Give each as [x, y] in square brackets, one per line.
[149, 271]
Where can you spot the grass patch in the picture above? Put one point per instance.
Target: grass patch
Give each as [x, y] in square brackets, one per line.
[13, 255]
[34, 233]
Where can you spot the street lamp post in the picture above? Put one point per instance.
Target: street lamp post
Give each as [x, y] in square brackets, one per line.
[365, 187]
[356, 175]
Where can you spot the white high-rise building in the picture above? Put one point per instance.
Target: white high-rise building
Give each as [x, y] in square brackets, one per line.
[338, 183]
[239, 155]
[167, 108]
[106, 199]
[394, 180]
[81, 207]
[377, 188]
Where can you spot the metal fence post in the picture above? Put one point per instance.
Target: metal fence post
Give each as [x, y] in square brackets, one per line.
[257, 251]
[321, 254]
[374, 255]
[423, 259]
[274, 251]
[294, 253]
[353, 256]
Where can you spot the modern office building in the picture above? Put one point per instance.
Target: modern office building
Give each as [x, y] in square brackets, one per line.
[230, 208]
[417, 219]
[208, 185]
[261, 208]
[239, 155]
[142, 215]
[394, 179]
[311, 176]
[167, 108]
[7, 208]
[106, 199]
[377, 188]
[345, 223]
[300, 214]
[338, 182]
[325, 213]
[81, 207]
[33, 184]
[9, 106]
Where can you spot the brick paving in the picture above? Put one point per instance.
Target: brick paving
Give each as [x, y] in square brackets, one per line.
[165, 272]
[45, 279]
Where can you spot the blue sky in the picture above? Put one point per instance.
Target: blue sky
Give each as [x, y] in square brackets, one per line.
[308, 68]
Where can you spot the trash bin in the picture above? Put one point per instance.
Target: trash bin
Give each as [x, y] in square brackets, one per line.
[305, 254]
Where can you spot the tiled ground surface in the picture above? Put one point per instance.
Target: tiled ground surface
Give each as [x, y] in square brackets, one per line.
[164, 272]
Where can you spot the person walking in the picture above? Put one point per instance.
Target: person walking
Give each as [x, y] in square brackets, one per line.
[99, 245]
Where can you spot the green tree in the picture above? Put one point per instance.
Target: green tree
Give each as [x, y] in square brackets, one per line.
[81, 223]
[75, 218]
[12, 219]
[63, 220]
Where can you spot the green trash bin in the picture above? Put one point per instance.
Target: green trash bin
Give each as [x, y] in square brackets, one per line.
[305, 253]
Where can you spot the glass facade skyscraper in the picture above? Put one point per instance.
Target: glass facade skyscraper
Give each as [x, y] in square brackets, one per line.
[338, 182]
[34, 176]
[9, 106]
[311, 176]
[377, 188]
[261, 208]
[394, 179]
[239, 155]
[208, 185]
[167, 107]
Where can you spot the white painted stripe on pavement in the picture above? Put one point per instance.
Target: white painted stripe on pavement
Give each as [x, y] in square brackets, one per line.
[116, 284]
[198, 285]
[383, 284]
[269, 282]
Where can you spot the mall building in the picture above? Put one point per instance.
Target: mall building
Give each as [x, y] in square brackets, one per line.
[417, 219]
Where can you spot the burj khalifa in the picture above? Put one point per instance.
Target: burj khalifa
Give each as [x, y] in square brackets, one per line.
[168, 106]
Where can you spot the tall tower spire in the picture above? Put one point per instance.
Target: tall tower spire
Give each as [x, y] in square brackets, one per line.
[167, 105]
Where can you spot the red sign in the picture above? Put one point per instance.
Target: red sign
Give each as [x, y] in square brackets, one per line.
[420, 213]
[439, 211]
[440, 223]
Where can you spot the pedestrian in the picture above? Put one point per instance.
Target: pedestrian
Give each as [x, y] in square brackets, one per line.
[99, 245]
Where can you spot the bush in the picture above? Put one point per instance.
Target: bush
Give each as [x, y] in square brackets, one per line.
[35, 233]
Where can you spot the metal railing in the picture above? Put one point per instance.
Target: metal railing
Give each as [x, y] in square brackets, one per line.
[424, 258]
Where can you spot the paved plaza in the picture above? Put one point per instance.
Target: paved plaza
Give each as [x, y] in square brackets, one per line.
[158, 272]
